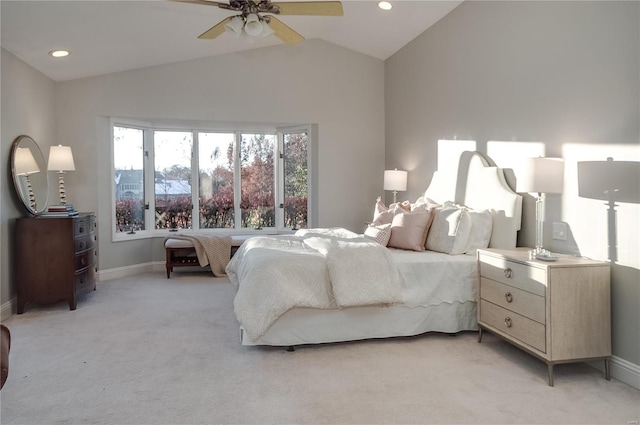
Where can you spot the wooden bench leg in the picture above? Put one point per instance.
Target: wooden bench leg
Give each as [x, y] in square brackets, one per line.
[168, 263]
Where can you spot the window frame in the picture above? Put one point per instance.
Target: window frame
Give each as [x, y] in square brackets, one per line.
[149, 128]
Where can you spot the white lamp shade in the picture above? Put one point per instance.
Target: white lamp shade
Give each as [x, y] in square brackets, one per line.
[25, 163]
[253, 27]
[61, 159]
[235, 26]
[609, 180]
[395, 180]
[266, 30]
[541, 175]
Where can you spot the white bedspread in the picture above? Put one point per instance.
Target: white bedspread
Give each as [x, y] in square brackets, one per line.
[323, 269]
[432, 278]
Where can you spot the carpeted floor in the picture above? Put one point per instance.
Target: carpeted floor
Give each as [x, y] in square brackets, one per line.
[147, 350]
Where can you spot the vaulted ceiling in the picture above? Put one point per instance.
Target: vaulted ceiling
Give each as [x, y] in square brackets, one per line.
[111, 36]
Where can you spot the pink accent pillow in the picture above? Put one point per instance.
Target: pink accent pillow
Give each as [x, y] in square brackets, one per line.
[383, 215]
[409, 230]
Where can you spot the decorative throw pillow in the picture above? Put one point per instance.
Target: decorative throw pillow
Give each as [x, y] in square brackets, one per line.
[380, 234]
[481, 228]
[384, 215]
[450, 230]
[409, 230]
[423, 204]
[379, 208]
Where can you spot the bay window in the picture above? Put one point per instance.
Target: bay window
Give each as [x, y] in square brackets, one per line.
[209, 180]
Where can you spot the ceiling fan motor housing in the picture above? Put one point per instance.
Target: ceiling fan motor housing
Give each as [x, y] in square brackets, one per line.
[248, 6]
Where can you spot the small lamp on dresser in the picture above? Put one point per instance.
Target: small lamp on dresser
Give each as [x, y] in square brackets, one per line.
[541, 176]
[395, 180]
[61, 160]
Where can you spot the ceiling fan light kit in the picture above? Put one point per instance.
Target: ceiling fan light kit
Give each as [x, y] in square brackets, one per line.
[253, 22]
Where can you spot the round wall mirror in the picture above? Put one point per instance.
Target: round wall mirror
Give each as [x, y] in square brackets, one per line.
[29, 171]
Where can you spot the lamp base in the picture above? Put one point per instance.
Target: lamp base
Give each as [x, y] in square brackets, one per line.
[539, 252]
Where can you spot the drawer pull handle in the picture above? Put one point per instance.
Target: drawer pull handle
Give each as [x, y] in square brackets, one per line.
[507, 322]
[508, 273]
[81, 230]
[508, 297]
[81, 245]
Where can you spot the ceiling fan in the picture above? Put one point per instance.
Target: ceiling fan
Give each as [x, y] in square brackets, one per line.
[256, 18]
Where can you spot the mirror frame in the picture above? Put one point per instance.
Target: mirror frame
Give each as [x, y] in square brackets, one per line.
[32, 188]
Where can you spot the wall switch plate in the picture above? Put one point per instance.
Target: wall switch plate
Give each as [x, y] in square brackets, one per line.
[560, 231]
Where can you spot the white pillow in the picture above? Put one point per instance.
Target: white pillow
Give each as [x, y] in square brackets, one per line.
[423, 205]
[380, 234]
[481, 228]
[450, 230]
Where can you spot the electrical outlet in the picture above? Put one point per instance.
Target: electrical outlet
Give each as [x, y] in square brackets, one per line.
[560, 231]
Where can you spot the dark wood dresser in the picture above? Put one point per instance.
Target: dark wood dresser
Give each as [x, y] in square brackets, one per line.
[55, 259]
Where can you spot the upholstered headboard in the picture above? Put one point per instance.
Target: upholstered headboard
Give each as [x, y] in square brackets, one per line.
[477, 183]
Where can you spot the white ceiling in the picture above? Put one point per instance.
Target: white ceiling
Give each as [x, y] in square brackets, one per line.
[112, 36]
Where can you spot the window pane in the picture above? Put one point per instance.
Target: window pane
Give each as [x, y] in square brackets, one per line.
[172, 158]
[215, 155]
[295, 180]
[257, 201]
[128, 160]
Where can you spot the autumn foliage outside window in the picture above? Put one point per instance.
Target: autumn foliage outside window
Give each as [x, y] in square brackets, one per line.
[216, 152]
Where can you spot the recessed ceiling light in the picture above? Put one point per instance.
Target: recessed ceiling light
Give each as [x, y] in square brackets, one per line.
[385, 5]
[59, 53]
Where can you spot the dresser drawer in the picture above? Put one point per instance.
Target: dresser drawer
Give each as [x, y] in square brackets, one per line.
[530, 279]
[82, 226]
[84, 242]
[85, 259]
[85, 280]
[514, 299]
[522, 328]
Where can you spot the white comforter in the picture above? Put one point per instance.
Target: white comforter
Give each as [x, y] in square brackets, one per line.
[324, 269]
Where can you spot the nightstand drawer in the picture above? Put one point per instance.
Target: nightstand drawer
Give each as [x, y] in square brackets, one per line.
[509, 297]
[530, 279]
[526, 330]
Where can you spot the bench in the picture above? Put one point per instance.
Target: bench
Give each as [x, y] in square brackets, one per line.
[182, 253]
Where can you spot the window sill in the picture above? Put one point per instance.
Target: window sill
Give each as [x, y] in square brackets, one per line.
[145, 234]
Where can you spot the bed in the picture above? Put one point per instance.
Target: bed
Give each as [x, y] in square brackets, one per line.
[411, 292]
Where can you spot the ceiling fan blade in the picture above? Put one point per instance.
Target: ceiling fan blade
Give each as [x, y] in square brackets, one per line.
[203, 2]
[284, 32]
[215, 30]
[314, 8]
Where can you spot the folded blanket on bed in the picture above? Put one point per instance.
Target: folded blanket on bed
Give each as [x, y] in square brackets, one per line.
[313, 269]
[361, 271]
[213, 251]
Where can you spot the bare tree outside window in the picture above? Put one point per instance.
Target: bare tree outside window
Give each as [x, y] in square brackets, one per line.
[215, 156]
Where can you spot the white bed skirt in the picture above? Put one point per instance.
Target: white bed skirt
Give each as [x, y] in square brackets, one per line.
[312, 326]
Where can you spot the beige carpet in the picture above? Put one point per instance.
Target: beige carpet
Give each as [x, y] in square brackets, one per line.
[147, 350]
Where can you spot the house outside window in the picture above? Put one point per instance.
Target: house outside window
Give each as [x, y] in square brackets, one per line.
[209, 180]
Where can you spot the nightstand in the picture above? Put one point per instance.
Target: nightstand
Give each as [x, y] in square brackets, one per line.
[558, 311]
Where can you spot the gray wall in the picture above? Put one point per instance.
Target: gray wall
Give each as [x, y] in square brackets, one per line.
[315, 82]
[28, 100]
[562, 75]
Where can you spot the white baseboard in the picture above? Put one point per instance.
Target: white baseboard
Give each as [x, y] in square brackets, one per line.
[7, 309]
[120, 272]
[625, 371]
